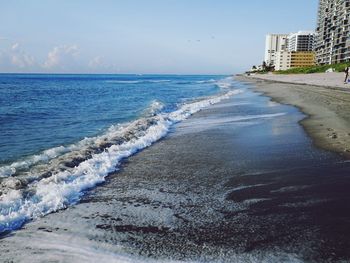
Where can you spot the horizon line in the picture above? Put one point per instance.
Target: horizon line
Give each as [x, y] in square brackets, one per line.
[133, 74]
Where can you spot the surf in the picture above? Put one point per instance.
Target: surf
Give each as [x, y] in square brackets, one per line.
[58, 177]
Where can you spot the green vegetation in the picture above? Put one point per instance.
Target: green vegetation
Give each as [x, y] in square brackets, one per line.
[314, 69]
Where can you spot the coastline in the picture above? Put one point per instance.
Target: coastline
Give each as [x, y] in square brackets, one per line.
[221, 187]
[327, 107]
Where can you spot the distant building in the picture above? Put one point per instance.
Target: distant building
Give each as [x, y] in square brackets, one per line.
[274, 44]
[301, 41]
[285, 51]
[332, 39]
[294, 59]
[283, 59]
[302, 59]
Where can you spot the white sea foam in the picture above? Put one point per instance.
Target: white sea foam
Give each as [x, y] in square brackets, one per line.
[66, 187]
[225, 83]
[124, 81]
[154, 108]
[68, 248]
[159, 81]
[138, 81]
[53, 247]
[206, 81]
[188, 109]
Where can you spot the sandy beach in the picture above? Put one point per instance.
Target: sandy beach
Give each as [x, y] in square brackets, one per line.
[322, 97]
[334, 80]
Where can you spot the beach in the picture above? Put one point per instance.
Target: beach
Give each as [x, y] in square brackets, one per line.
[322, 97]
[332, 80]
[238, 181]
[127, 134]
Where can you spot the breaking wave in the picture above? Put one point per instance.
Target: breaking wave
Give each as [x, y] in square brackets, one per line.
[58, 177]
[225, 83]
[138, 81]
[206, 81]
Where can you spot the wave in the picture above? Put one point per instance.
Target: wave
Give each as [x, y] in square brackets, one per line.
[206, 81]
[137, 81]
[155, 108]
[59, 176]
[44, 157]
[225, 83]
[159, 81]
[15, 168]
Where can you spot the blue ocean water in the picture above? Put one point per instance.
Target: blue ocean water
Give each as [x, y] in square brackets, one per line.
[61, 135]
[38, 112]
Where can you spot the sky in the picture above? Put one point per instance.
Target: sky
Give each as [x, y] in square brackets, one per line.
[144, 36]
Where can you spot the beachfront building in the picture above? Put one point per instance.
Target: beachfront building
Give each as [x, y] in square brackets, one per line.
[332, 39]
[294, 59]
[285, 51]
[283, 59]
[274, 43]
[302, 59]
[299, 52]
[347, 50]
[301, 41]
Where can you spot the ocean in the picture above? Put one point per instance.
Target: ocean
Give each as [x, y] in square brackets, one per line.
[63, 134]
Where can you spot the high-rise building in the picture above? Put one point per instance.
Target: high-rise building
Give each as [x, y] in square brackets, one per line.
[301, 41]
[332, 39]
[285, 51]
[274, 44]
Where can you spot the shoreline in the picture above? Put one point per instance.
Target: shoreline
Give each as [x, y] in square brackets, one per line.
[221, 187]
[327, 109]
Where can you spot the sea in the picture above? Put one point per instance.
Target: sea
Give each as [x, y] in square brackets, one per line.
[61, 135]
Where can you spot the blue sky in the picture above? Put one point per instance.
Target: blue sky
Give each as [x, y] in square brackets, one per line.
[144, 36]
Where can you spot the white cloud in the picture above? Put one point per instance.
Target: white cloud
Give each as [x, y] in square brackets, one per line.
[61, 57]
[20, 58]
[101, 65]
[14, 58]
[96, 62]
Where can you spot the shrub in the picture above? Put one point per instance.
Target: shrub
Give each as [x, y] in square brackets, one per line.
[314, 69]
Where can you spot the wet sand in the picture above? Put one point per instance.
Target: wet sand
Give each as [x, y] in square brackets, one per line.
[328, 108]
[237, 182]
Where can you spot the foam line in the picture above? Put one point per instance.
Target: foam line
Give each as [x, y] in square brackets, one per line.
[64, 188]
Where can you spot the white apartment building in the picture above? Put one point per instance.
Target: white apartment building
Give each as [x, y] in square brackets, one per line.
[283, 60]
[284, 51]
[274, 43]
[301, 41]
[333, 31]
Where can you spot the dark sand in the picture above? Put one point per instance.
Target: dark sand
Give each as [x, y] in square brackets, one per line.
[237, 182]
